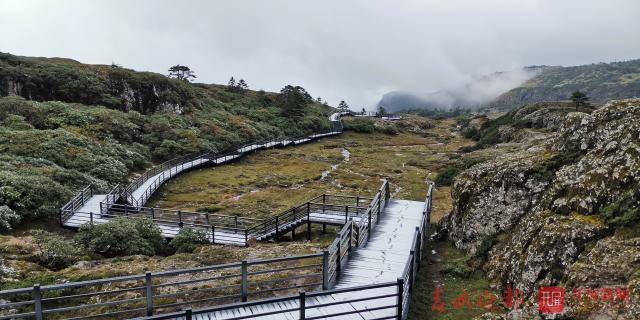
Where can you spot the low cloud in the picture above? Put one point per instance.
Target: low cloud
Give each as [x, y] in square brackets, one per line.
[352, 50]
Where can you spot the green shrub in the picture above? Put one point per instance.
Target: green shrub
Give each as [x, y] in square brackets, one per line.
[482, 252]
[546, 170]
[16, 122]
[364, 125]
[30, 193]
[623, 212]
[8, 218]
[446, 176]
[54, 251]
[209, 209]
[122, 236]
[457, 268]
[188, 239]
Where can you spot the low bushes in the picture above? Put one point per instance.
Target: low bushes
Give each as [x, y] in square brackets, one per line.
[445, 177]
[623, 212]
[188, 239]
[54, 251]
[122, 236]
[8, 218]
[364, 125]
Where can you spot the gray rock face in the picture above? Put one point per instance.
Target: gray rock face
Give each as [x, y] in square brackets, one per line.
[491, 197]
[540, 206]
[611, 261]
[610, 138]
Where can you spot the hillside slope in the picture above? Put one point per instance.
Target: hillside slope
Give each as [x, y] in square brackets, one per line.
[107, 129]
[560, 208]
[601, 82]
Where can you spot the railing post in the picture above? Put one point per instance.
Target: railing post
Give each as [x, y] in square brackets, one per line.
[369, 223]
[412, 267]
[246, 238]
[37, 301]
[325, 270]
[153, 214]
[60, 216]
[277, 230]
[400, 297]
[346, 214]
[350, 233]
[180, 224]
[213, 234]
[188, 314]
[308, 221]
[149, 293]
[91, 218]
[302, 305]
[338, 267]
[324, 201]
[245, 281]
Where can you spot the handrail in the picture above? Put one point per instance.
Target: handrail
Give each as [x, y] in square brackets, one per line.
[66, 211]
[298, 304]
[417, 247]
[156, 291]
[232, 282]
[235, 151]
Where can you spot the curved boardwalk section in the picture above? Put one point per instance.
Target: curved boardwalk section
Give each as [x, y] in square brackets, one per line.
[88, 207]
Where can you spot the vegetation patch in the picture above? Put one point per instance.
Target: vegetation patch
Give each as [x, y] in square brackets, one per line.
[624, 212]
[122, 236]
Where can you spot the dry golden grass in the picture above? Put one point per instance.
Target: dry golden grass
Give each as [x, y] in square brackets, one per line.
[268, 182]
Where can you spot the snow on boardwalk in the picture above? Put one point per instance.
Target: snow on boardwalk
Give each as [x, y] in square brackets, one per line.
[382, 259]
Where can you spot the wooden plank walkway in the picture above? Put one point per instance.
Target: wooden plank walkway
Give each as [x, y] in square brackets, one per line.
[383, 259]
[231, 237]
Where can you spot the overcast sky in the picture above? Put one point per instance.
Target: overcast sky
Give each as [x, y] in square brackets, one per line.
[336, 49]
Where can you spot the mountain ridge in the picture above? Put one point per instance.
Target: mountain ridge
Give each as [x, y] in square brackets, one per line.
[600, 81]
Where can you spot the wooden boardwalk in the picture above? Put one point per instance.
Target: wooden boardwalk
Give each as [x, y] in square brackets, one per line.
[366, 273]
[382, 260]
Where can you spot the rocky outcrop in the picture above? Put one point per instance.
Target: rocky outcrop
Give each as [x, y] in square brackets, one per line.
[537, 212]
[491, 197]
[610, 261]
[610, 139]
[66, 80]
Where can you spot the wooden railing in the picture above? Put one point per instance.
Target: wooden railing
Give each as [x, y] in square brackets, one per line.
[230, 284]
[417, 247]
[168, 169]
[75, 203]
[355, 233]
[305, 305]
[165, 291]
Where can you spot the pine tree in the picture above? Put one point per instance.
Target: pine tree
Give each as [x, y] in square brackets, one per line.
[180, 72]
[293, 100]
[242, 85]
[579, 99]
[343, 106]
[232, 83]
